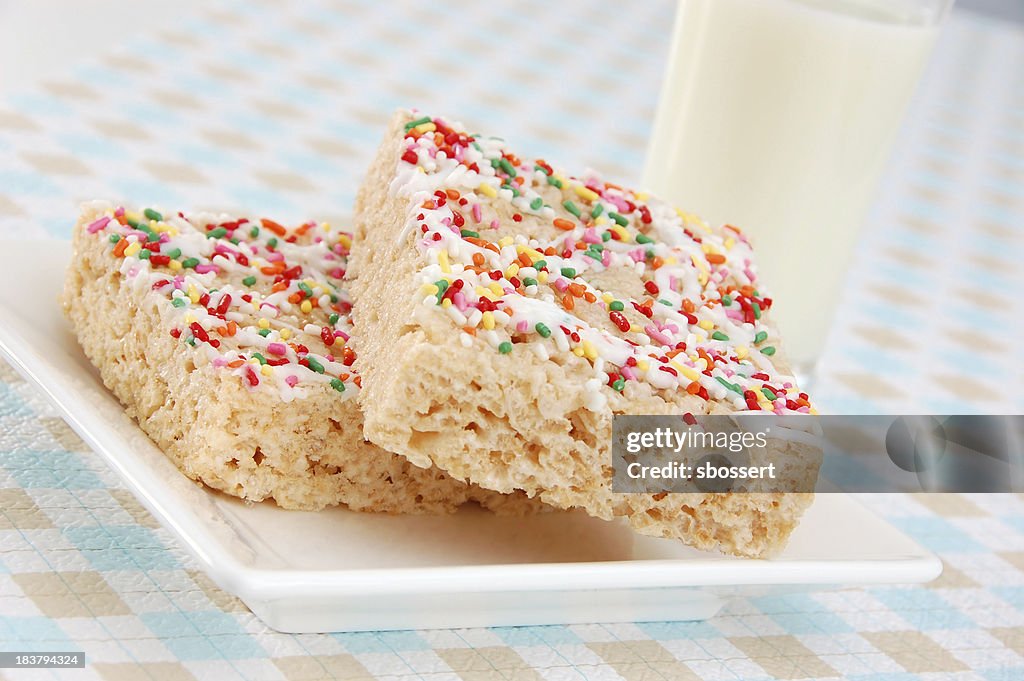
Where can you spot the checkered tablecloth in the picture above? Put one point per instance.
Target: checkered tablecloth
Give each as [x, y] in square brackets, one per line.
[266, 110]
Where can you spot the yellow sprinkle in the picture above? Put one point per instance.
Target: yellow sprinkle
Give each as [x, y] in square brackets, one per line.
[701, 364]
[326, 226]
[677, 366]
[131, 216]
[702, 278]
[428, 290]
[589, 350]
[442, 259]
[634, 328]
[621, 231]
[447, 302]
[690, 374]
[578, 351]
[698, 262]
[345, 241]
[189, 318]
[485, 189]
[286, 334]
[542, 277]
[505, 241]
[266, 370]
[174, 265]
[512, 271]
[496, 288]
[306, 306]
[729, 243]
[425, 127]
[585, 192]
[419, 169]
[263, 323]
[671, 260]
[534, 255]
[642, 196]
[705, 324]
[741, 351]
[642, 365]
[607, 297]
[488, 320]
[601, 221]
[132, 249]
[193, 294]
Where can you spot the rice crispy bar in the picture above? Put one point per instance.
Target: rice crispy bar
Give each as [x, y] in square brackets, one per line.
[226, 339]
[507, 310]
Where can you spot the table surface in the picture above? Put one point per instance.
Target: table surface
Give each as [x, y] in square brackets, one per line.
[250, 107]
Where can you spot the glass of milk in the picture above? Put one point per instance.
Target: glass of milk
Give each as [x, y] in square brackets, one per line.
[777, 116]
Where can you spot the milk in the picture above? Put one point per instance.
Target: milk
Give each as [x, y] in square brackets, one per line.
[777, 116]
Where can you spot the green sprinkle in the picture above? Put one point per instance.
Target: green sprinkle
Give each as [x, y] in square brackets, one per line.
[114, 238]
[571, 207]
[543, 330]
[304, 287]
[596, 255]
[536, 203]
[217, 232]
[189, 262]
[597, 210]
[259, 357]
[476, 146]
[757, 310]
[768, 351]
[568, 272]
[541, 169]
[419, 121]
[767, 392]
[179, 302]
[249, 281]
[442, 285]
[272, 242]
[334, 298]
[619, 219]
[235, 240]
[333, 319]
[505, 348]
[315, 365]
[731, 386]
[529, 281]
[761, 337]
[606, 236]
[643, 239]
[554, 181]
[619, 385]
[132, 222]
[616, 306]
[191, 340]
[596, 247]
[719, 336]
[254, 232]
[540, 264]
[665, 302]
[144, 254]
[470, 233]
[727, 300]
[152, 214]
[507, 167]
[338, 384]
[174, 253]
[264, 332]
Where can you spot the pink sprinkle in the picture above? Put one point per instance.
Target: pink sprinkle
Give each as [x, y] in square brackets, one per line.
[133, 271]
[447, 222]
[606, 257]
[179, 281]
[478, 214]
[637, 254]
[459, 300]
[734, 314]
[750, 275]
[620, 204]
[337, 273]
[561, 284]
[627, 373]
[495, 224]
[97, 225]
[277, 348]
[656, 335]
[590, 236]
[804, 410]
[219, 362]
[271, 306]
[522, 325]
[275, 256]
[568, 244]
[329, 357]
[291, 381]
[119, 212]
[341, 334]
[203, 268]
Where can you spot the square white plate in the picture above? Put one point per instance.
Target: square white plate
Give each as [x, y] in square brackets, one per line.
[343, 571]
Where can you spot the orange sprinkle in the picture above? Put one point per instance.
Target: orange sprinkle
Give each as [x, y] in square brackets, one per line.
[358, 380]
[295, 298]
[478, 259]
[589, 297]
[688, 306]
[470, 330]
[232, 328]
[273, 227]
[428, 204]
[657, 262]
[693, 388]
[576, 289]
[550, 250]
[716, 258]
[453, 194]
[279, 286]
[525, 261]
[236, 363]
[119, 247]
[563, 224]
[567, 302]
